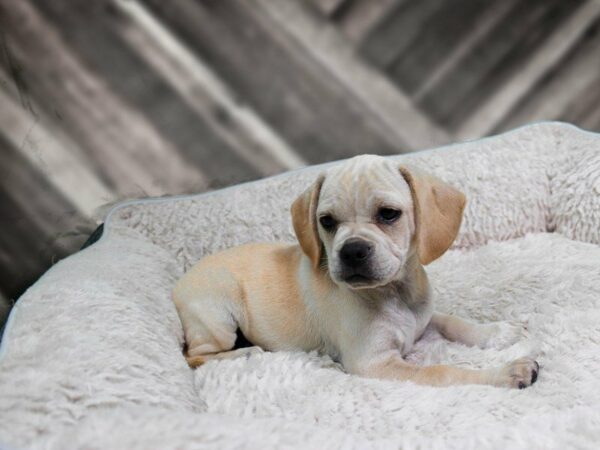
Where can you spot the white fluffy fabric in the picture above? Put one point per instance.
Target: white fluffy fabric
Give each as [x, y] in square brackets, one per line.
[92, 358]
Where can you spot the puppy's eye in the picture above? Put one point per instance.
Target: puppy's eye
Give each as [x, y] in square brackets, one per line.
[328, 222]
[388, 215]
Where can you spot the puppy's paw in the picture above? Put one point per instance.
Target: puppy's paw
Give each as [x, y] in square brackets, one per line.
[195, 361]
[500, 335]
[198, 360]
[520, 373]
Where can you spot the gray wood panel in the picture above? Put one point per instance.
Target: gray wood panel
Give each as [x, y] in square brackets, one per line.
[39, 225]
[128, 152]
[440, 33]
[330, 7]
[361, 15]
[5, 307]
[397, 30]
[494, 59]
[562, 92]
[402, 123]
[89, 28]
[285, 85]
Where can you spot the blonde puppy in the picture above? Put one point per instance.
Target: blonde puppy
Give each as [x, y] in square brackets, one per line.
[354, 288]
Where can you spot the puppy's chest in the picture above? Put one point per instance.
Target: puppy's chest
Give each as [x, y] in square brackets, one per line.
[402, 324]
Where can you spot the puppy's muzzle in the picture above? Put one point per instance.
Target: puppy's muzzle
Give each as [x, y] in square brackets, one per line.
[355, 256]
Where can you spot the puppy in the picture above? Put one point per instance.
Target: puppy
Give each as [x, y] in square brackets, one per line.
[354, 288]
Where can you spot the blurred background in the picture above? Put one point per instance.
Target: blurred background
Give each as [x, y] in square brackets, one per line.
[106, 100]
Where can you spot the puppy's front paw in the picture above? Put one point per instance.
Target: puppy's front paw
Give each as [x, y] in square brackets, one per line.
[500, 335]
[519, 374]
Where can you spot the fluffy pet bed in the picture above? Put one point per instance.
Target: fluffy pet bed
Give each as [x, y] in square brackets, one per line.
[92, 354]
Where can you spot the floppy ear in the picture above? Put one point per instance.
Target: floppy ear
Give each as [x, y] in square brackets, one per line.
[438, 213]
[304, 219]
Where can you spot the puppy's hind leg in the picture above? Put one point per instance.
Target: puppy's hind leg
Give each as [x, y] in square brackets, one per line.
[195, 361]
[210, 308]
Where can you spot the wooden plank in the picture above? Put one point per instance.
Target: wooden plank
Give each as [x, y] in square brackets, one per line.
[558, 94]
[41, 206]
[495, 59]
[89, 29]
[60, 162]
[483, 120]
[278, 78]
[440, 34]
[397, 31]
[5, 307]
[20, 263]
[584, 109]
[362, 15]
[133, 158]
[380, 97]
[329, 7]
[39, 225]
[490, 18]
[592, 119]
[21, 271]
[197, 85]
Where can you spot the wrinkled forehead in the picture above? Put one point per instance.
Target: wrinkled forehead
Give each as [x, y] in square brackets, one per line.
[363, 181]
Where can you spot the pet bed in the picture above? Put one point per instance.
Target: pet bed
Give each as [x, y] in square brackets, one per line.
[92, 355]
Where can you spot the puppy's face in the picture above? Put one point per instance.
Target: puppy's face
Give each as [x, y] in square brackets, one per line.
[365, 220]
[366, 217]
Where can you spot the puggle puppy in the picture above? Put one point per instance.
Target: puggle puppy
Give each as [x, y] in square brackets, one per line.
[354, 288]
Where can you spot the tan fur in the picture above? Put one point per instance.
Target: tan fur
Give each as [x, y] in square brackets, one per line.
[261, 283]
[439, 210]
[295, 297]
[197, 361]
[304, 221]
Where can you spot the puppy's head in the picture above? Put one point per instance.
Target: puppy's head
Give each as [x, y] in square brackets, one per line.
[365, 218]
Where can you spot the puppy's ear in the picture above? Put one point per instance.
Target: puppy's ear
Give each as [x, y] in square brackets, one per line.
[438, 213]
[304, 219]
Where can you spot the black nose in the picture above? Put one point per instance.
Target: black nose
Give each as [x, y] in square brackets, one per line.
[355, 252]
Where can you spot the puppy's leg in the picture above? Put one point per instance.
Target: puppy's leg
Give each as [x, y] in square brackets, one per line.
[496, 334]
[195, 361]
[518, 374]
[210, 309]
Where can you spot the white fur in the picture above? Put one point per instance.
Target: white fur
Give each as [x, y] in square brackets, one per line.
[92, 358]
[375, 182]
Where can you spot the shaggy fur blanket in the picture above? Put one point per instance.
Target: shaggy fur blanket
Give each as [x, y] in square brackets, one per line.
[92, 356]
